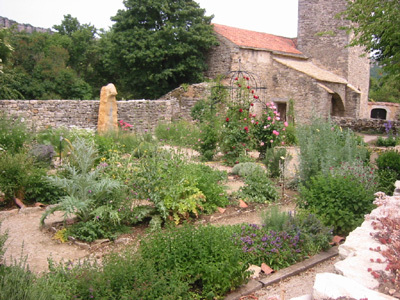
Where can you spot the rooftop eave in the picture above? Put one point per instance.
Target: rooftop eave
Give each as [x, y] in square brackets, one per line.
[275, 52]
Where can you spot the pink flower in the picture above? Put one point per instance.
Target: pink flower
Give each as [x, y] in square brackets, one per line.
[277, 118]
[262, 144]
[252, 121]
[269, 118]
[286, 124]
[275, 132]
[283, 143]
[254, 115]
[271, 141]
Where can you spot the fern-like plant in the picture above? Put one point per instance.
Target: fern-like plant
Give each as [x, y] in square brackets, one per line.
[87, 193]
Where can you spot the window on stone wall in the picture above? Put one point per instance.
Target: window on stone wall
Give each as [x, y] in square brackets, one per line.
[282, 108]
[378, 113]
[337, 108]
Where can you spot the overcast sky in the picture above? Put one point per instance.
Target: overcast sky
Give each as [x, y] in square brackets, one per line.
[277, 17]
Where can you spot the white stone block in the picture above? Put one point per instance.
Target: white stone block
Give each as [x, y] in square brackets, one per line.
[332, 286]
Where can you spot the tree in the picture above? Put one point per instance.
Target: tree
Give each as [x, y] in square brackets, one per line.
[160, 44]
[376, 24]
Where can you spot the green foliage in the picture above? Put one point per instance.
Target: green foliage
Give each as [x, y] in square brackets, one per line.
[388, 164]
[88, 195]
[158, 45]
[389, 160]
[386, 181]
[13, 133]
[15, 172]
[324, 145]
[375, 26]
[385, 88]
[386, 142]
[340, 198]
[246, 168]
[274, 158]
[262, 245]
[258, 188]
[204, 256]
[275, 219]
[177, 188]
[178, 133]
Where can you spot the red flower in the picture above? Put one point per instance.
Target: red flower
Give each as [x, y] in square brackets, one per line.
[256, 97]
[246, 129]
[257, 123]
[236, 78]
[251, 104]
[248, 87]
[240, 110]
[227, 119]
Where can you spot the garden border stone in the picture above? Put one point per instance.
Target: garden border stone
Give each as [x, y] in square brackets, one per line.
[254, 285]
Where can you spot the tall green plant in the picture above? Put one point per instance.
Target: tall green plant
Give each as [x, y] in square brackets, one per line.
[13, 133]
[324, 145]
[88, 195]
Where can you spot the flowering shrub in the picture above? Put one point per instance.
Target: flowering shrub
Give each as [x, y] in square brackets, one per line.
[244, 130]
[268, 130]
[262, 245]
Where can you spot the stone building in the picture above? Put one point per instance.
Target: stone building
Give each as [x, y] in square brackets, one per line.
[316, 70]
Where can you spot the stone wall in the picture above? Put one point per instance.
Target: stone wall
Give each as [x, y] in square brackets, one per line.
[144, 115]
[366, 125]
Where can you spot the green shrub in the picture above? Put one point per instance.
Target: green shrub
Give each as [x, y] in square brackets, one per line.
[177, 188]
[15, 171]
[386, 181]
[324, 145]
[389, 141]
[179, 133]
[204, 256]
[13, 133]
[340, 201]
[246, 168]
[389, 160]
[258, 188]
[274, 157]
[88, 195]
[274, 219]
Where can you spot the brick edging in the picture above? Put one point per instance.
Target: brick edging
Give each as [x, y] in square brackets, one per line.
[254, 284]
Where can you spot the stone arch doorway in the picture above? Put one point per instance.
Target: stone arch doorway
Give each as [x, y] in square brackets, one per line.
[337, 107]
[378, 113]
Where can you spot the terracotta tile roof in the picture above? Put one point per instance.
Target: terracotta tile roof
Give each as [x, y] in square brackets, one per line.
[253, 39]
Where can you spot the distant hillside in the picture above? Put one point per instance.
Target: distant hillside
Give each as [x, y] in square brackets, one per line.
[5, 22]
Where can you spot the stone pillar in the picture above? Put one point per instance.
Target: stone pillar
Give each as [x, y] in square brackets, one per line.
[108, 111]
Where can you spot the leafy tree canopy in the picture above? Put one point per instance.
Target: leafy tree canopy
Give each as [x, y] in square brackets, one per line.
[376, 24]
[160, 44]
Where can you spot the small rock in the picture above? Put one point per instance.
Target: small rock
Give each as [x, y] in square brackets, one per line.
[122, 241]
[392, 291]
[256, 271]
[102, 241]
[82, 245]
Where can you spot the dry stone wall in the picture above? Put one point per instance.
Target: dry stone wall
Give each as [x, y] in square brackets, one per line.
[144, 115]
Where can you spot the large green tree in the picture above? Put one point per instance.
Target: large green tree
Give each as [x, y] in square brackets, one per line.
[376, 24]
[158, 45]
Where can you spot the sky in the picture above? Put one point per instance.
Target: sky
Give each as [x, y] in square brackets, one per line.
[277, 17]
